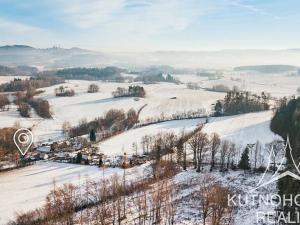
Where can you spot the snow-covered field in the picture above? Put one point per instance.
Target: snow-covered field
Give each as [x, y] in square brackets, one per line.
[124, 141]
[241, 129]
[25, 189]
[90, 106]
[278, 85]
[158, 99]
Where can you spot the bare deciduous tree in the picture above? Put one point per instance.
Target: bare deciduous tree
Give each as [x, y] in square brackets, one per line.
[215, 142]
[223, 152]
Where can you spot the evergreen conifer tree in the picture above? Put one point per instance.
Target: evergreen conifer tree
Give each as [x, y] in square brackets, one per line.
[244, 162]
[92, 135]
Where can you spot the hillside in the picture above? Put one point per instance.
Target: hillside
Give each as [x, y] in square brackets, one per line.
[241, 130]
[55, 58]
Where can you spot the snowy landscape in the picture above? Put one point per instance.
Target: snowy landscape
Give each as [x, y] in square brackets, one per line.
[129, 112]
[162, 100]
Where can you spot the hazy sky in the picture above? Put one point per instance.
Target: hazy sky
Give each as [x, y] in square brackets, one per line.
[140, 25]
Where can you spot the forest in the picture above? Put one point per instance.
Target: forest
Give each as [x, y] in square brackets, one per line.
[33, 82]
[286, 123]
[155, 78]
[236, 102]
[107, 73]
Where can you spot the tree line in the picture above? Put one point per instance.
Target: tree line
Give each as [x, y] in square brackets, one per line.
[113, 122]
[236, 102]
[107, 73]
[132, 91]
[199, 149]
[33, 82]
[25, 102]
[190, 114]
[154, 78]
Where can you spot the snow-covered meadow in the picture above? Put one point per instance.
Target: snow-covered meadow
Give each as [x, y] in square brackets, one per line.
[241, 130]
[91, 105]
[21, 194]
[26, 189]
[278, 85]
[161, 99]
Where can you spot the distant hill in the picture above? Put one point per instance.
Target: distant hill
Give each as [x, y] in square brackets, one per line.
[267, 68]
[18, 71]
[162, 61]
[16, 47]
[49, 58]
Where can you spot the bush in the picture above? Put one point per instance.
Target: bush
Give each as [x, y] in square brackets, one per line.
[3, 102]
[93, 88]
[132, 91]
[24, 109]
[7, 145]
[41, 107]
[193, 86]
[220, 88]
[64, 92]
[260, 169]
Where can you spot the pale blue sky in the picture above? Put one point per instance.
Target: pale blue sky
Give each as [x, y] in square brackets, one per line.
[140, 25]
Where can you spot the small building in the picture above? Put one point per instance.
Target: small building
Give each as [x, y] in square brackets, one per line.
[44, 149]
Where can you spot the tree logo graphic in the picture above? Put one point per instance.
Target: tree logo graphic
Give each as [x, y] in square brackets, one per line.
[277, 175]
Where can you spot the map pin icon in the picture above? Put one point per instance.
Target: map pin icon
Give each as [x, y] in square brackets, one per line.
[23, 139]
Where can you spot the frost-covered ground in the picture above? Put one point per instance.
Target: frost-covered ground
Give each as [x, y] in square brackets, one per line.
[188, 212]
[25, 189]
[186, 186]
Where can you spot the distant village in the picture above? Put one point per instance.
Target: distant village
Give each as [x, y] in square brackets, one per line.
[79, 151]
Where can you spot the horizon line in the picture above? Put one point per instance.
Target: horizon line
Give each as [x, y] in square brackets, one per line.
[152, 51]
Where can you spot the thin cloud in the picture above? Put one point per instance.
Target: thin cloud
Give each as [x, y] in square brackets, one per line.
[89, 14]
[16, 27]
[174, 14]
[253, 9]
